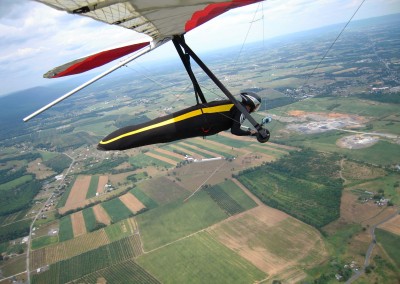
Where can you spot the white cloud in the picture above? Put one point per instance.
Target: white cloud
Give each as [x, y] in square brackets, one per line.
[36, 38]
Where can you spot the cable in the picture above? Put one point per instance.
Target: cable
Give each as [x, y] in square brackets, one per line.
[324, 56]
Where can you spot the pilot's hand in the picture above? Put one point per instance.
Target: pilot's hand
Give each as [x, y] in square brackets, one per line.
[253, 132]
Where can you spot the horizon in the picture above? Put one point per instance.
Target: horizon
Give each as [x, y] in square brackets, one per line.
[28, 64]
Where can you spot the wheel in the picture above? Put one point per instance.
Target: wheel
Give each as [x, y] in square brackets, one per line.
[263, 135]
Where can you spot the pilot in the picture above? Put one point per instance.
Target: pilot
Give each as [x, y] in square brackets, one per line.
[196, 121]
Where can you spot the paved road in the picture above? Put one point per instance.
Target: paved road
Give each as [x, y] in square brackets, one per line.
[370, 248]
[37, 216]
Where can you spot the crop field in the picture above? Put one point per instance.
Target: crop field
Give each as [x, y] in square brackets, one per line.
[142, 160]
[271, 240]
[347, 105]
[162, 190]
[224, 201]
[392, 226]
[90, 261]
[183, 150]
[162, 157]
[116, 210]
[199, 149]
[169, 155]
[43, 241]
[61, 251]
[78, 223]
[220, 150]
[199, 259]
[390, 243]
[233, 190]
[125, 272]
[92, 187]
[175, 220]
[311, 194]
[101, 215]
[64, 197]
[193, 151]
[89, 218]
[16, 265]
[16, 182]
[122, 229]
[131, 202]
[275, 153]
[66, 232]
[226, 140]
[146, 200]
[77, 195]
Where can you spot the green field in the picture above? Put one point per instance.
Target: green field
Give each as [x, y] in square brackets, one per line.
[350, 105]
[184, 147]
[16, 182]
[228, 141]
[237, 194]
[142, 161]
[178, 219]
[310, 192]
[230, 198]
[147, 201]
[390, 243]
[162, 190]
[199, 259]
[90, 219]
[125, 272]
[213, 148]
[43, 241]
[116, 210]
[94, 181]
[119, 230]
[65, 232]
[89, 262]
[380, 153]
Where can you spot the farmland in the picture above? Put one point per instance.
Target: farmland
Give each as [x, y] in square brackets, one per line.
[297, 209]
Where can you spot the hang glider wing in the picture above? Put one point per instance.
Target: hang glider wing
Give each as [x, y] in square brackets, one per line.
[155, 18]
[159, 19]
[92, 61]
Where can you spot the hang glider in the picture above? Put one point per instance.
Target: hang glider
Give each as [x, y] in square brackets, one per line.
[161, 21]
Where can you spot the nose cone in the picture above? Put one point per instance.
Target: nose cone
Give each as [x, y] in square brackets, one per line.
[101, 148]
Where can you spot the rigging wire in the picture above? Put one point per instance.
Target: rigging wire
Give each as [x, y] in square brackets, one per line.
[323, 57]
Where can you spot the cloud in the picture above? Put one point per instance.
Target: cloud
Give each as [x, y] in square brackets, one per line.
[35, 38]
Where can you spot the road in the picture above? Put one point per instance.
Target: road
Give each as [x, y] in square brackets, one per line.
[370, 248]
[37, 216]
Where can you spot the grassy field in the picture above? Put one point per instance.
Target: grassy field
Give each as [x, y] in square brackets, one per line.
[143, 161]
[380, 153]
[162, 190]
[237, 194]
[146, 200]
[94, 181]
[16, 182]
[116, 210]
[390, 243]
[125, 272]
[88, 262]
[120, 230]
[199, 259]
[348, 105]
[44, 241]
[90, 219]
[175, 220]
[66, 232]
[310, 193]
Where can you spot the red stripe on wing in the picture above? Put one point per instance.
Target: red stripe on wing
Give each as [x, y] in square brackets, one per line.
[99, 59]
[213, 10]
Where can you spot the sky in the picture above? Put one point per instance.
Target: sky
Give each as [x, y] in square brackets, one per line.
[36, 38]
